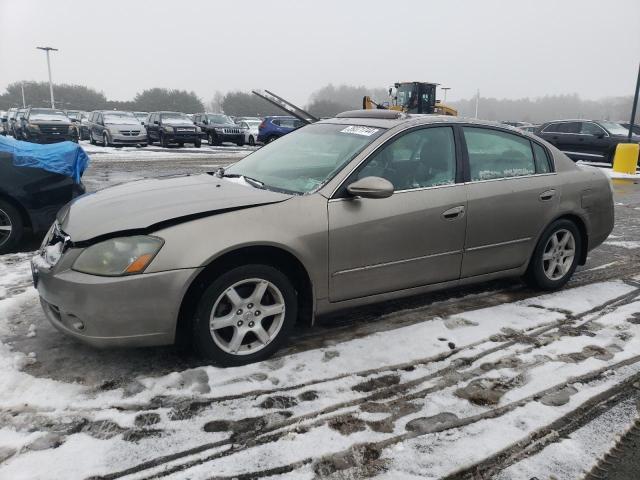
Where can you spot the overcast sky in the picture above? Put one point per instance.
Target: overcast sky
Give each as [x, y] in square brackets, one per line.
[507, 49]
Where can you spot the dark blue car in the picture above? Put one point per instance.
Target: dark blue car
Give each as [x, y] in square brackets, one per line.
[275, 127]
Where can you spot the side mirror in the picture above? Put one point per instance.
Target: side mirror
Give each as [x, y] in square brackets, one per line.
[371, 187]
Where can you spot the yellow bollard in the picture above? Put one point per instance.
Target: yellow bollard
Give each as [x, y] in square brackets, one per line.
[625, 159]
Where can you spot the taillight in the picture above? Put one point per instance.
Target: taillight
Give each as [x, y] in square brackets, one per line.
[262, 125]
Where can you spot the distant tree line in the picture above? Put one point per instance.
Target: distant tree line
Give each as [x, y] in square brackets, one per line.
[543, 109]
[324, 102]
[78, 97]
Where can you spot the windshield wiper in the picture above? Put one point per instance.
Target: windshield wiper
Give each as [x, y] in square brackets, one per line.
[252, 181]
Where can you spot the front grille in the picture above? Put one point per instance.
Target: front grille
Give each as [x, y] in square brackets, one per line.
[232, 131]
[185, 130]
[52, 129]
[130, 133]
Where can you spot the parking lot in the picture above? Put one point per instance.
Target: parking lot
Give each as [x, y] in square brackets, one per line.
[494, 379]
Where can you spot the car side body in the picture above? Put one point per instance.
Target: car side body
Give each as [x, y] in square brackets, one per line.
[35, 195]
[586, 140]
[274, 127]
[340, 250]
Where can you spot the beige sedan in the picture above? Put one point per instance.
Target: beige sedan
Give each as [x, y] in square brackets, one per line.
[365, 207]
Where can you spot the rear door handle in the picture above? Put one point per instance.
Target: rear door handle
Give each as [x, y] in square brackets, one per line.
[454, 212]
[548, 195]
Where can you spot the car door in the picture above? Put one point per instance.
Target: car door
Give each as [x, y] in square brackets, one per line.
[567, 137]
[512, 196]
[594, 143]
[414, 237]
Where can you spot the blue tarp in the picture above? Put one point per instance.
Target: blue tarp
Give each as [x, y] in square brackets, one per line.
[66, 158]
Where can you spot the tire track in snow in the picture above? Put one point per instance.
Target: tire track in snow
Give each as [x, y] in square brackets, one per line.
[453, 424]
[394, 393]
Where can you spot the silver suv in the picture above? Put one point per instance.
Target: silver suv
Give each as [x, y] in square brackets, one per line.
[116, 128]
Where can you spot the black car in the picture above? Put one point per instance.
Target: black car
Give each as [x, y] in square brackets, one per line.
[76, 117]
[635, 128]
[47, 125]
[29, 200]
[172, 127]
[587, 140]
[219, 128]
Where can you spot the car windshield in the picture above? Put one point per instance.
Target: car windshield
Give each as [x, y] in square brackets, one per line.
[141, 114]
[615, 128]
[120, 118]
[305, 159]
[176, 119]
[47, 115]
[221, 119]
[73, 115]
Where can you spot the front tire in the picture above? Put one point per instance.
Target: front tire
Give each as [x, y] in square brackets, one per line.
[105, 140]
[197, 143]
[245, 315]
[556, 256]
[163, 141]
[11, 227]
[252, 141]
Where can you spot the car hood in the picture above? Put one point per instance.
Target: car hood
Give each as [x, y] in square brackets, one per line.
[124, 126]
[148, 205]
[64, 123]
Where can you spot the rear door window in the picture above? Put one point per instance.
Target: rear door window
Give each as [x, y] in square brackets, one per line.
[494, 154]
[543, 165]
[590, 128]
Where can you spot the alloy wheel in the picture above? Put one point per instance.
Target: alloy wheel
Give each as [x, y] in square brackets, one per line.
[559, 254]
[247, 316]
[6, 227]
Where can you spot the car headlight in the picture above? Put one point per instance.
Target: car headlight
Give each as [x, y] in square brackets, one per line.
[219, 130]
[119, 256]
[33, 126]
[167, 128]
[198, 129]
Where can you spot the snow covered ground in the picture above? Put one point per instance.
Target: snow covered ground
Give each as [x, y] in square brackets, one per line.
[421, 401]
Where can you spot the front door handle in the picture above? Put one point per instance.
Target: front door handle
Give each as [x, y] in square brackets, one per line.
[453, 213]
[548, 195]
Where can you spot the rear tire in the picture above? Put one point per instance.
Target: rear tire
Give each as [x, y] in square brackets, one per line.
[197, 143]
[240, 298]
[163, 141]
[252, 141]
[91, 140]
[11, 227]
[105, 140]
[556, 256]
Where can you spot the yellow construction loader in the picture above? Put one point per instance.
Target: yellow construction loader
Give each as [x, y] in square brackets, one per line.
[411, 97]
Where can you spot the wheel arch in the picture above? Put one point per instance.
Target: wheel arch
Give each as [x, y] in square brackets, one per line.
[275, 256]
[24, 214]
[582, 228]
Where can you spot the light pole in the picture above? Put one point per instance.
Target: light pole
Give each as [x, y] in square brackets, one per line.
[48, 49]
[445, 92]
[24, 104]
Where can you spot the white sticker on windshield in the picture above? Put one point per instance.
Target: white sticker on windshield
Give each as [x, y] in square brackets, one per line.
[356, 130]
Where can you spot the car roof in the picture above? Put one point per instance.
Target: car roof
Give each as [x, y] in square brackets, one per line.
[392, 118]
